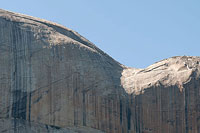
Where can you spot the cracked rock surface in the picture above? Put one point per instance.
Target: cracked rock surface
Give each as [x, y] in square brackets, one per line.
[54, 80]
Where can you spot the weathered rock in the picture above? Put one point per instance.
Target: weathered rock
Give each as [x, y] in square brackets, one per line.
[164, 97]
[23, 126]
[54, 80]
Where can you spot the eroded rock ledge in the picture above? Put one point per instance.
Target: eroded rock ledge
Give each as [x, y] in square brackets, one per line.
[50, 76]
[169, 72]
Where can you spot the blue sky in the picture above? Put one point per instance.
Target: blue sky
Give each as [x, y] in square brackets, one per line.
[136, 33]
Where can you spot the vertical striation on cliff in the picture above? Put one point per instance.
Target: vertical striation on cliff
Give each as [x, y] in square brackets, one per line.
[54, 80]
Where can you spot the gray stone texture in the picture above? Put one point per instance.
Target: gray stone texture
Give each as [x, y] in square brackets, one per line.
[54, 80]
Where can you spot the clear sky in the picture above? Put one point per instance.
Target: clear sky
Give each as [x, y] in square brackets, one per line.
[136, 33]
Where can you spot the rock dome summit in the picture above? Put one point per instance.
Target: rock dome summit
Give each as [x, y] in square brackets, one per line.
[54, 80]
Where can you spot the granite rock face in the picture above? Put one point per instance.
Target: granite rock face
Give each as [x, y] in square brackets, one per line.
[54, 80]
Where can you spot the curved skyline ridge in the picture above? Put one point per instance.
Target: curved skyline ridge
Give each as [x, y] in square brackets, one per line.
[133, 80]
[142, 31]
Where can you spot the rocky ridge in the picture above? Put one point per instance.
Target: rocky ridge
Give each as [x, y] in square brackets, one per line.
[54, 80]
[169, 72]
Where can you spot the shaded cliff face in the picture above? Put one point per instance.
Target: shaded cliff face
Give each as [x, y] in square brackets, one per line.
[52, 75]
[54, 80]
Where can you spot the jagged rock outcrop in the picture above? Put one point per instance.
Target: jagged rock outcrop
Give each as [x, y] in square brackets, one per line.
[54, 80]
